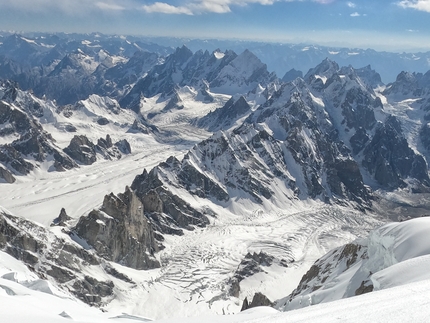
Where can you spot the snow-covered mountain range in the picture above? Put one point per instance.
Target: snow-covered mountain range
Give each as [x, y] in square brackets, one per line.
[170, 183]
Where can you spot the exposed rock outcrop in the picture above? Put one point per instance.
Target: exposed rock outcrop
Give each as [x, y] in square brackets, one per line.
[120, 232]
[82, 150]
[32, 143]
[259, 299]
[225, 117]
[167, 211]
[61, 219]
[54, 258]
[85, 152]
[291, 75]
[6, 176]
[252, 264]
[390, 159]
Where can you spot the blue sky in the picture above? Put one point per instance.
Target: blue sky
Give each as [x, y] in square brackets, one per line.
[401, 25]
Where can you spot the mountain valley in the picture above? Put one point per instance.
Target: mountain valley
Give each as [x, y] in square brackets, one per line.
[153, 183]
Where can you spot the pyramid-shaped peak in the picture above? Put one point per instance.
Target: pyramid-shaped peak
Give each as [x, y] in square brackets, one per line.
[183, 50]
[248, 55]
[325, 69]
[327, 65]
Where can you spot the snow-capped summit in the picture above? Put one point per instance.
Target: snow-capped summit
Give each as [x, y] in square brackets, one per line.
[409, 85]
[322, 72]
[226, 74]
[243, 74]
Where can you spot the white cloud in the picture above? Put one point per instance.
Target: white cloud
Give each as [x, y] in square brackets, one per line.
[109, 6]
[355, 14]
[201, 6]
[422, 5]
[162, 7]
[351, 4]
[323, 1]
[187, 7]
[70, 7]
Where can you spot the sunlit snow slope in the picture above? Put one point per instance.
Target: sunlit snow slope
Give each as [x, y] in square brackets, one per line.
[398, 300]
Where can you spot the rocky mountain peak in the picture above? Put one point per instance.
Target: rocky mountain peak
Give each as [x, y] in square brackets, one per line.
[291, 75]
[225, 117]
[322, 71]
[120, 232]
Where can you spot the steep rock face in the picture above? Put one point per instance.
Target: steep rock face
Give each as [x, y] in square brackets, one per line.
[82, 150]
[390, 159]
[161, 79]
[223, 166]
[85, 152]
[381, 148]
[120, 232]
[291, 75]
[324, 271]
[117, 78]
[245, 72]
[358, 109]
[369, 76]
[31, 141]
[6, 176]
[259, 299]
[409, 85]
[65, 83]
[13, 160]
[310, 144]
[252, 264]
[167, 211]
[224, 117]
[56, 259]
[224, 72]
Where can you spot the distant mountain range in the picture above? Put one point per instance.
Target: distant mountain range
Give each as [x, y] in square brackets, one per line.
[316, 149]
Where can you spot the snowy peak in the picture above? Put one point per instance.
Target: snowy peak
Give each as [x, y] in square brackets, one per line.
[325, 70]
[224, 73]
[291, 75]
[409, 84]
[76, 61]
[390, 159]
[226, 116]
[369, 76]
[243, 74]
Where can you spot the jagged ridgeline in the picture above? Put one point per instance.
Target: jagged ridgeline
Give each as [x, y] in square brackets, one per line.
[327, 137]
[316, 138]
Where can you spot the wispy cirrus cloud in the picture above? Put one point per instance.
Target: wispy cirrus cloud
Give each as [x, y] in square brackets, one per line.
[324, 1]
[70, 7]
[185, 7]
[422, 5]
[202, 6]
[214, 6]
[110, 6]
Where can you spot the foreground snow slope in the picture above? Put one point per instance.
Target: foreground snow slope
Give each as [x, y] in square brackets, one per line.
[44, 304]
[392, 255]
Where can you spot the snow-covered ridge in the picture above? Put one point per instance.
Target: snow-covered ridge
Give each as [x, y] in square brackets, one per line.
[393, 255]
[287, 179]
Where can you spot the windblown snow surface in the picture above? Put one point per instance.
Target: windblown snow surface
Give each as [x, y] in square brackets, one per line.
[400, 258]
